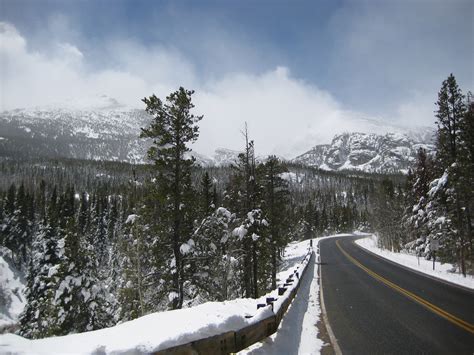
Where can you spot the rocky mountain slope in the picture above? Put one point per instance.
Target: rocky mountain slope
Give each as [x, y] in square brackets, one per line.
[368, 152]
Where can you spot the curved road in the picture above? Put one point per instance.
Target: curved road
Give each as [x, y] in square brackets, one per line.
[376, 307]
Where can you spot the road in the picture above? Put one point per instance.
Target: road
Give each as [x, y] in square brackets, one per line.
[376, 307]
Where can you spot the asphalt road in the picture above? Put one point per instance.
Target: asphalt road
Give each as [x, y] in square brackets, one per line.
[376, 307]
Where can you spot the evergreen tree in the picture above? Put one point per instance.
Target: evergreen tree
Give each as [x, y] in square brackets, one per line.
[206, 195]
[388, 216]
[417, 198]
[443, 209]
[172, 128]
[213, 253]
[275, 195]
[451, 109]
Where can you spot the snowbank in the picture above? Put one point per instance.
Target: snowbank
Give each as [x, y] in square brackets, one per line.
[442, 271]
[162, 330]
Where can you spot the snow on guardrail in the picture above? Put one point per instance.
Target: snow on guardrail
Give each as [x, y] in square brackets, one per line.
[215, 327]
[269, 315]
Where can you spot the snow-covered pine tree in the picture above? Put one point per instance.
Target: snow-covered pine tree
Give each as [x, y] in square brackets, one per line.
[139, 291]
[415, 215]
[445, 211]
[80, 300]
[38, 317]
[212, 254]
[252, 230]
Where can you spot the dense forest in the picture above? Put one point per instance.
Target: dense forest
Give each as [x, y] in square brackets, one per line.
[106, 242]
[433, 214]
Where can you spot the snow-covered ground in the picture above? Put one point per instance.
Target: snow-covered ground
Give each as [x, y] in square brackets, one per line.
[442, 271]
[12, 299]
[162, 330]
[297, 333]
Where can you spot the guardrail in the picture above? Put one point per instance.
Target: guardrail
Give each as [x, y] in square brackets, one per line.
[234, 341]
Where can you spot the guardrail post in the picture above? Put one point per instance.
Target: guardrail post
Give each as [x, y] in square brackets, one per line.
[270, 301]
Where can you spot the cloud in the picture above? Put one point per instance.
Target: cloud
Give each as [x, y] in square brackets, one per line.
[390, 57]
[286, 115]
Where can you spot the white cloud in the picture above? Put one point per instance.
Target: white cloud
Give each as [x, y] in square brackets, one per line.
[286, 116]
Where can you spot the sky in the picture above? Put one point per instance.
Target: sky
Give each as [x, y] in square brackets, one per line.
[296, 71]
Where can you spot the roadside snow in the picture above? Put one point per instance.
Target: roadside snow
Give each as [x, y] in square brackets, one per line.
[166, 329]
[298, 333]
[442, 271]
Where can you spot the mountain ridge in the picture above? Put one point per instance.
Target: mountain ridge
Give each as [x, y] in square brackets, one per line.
[110, 131]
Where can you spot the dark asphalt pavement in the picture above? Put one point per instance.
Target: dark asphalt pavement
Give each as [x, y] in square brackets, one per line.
[369, 317]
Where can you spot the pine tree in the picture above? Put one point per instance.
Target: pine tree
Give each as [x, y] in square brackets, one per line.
[172, 128]
[275, 195]
[212, 252]
[417, 197]
[252, 231]
[443, 207]
[244, 196]
[206, 195]
[451, 109]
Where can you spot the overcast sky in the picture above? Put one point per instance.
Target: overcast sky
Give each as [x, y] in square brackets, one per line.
[296, 71]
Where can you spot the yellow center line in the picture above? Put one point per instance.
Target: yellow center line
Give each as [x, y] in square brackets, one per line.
[435, 309]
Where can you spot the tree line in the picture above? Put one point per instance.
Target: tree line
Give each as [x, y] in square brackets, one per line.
[436, 205]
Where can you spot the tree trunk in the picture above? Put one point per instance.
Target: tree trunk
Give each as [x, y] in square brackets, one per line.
[274, 266]
[255, 269]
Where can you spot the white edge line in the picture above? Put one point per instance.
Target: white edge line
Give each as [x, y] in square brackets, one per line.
[332, 337]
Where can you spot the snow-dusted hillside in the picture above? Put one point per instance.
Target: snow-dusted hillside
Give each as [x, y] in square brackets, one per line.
[368, 152]
[98, 133]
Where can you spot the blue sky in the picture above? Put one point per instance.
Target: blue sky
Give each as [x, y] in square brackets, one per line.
[332, 61]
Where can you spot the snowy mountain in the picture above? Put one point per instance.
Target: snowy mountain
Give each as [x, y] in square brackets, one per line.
[368, 152]
[98, 134]
[100, 128]
[103, 131]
